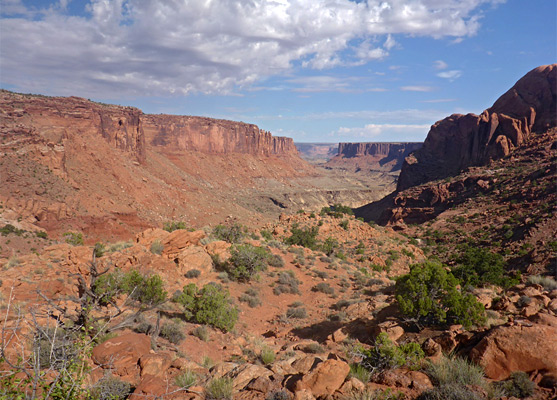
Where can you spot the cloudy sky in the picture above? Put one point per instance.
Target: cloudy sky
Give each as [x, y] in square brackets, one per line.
[314, 70]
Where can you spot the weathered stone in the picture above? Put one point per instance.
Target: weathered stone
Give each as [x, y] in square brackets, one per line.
[325, 379]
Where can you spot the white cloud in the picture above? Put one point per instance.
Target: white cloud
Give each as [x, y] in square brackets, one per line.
[146, 47]
[440, 64]
[451, 75]
[416, 88]
[371, 131]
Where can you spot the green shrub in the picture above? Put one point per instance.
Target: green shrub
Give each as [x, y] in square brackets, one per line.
[210, 305]
[147, 290]
[313, 348]
[99, 249]
[344, 224]
[429, 294]
[232, 234]
[450, 392]
[118, 246]
[478, 266]
[329, 246]
[287, 283]
[359, 372]
[267, 356]
[266, 235]
[547, 282]
[518, 385]
[157, 247]
[252, 299]
[9, 229]
[276, 261]
[174, 225]
[455, 370]
[73, 238]
[110, 388]
[245, 261]
[202, 333]
[303, 237]
[323, 287]
[172, 332]
[193, 273]
[41, 234]
[336, 211]
[385, 354]
[296, 312]
[186, 379]
[219, 389]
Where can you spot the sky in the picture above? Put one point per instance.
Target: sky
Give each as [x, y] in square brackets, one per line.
[314, 70]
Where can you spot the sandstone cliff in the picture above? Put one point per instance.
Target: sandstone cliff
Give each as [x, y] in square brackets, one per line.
[378, 156]
[213, 136]
[460, 141]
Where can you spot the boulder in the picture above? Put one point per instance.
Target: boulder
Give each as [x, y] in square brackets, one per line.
[325, 379]
[194, 257]
[155, 364]
[517, 348]
[178, 240]
[121, 354]
[147, 237]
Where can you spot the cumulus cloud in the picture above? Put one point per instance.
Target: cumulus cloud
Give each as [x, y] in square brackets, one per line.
[147, 47]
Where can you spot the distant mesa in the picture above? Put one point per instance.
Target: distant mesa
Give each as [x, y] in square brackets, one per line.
[373, 156]
[317, 152]
[461, 141]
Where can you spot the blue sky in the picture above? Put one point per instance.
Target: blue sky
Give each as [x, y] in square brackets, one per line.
[314, 70]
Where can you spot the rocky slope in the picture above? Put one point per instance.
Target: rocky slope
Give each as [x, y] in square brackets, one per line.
[460, 141]
[387, 157]
[69, 163]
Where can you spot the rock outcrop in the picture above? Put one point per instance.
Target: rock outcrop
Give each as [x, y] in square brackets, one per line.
[461, 141]
[213, 136]
[378, 156]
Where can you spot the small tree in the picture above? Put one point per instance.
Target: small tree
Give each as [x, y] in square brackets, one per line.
[303, 237]
[429, 294]
[245, 261]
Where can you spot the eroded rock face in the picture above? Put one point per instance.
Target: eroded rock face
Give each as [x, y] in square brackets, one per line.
[460, 141]
[517, 348]
[214, 136]
[373, 156]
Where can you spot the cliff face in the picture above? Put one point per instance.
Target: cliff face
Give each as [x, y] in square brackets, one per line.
[460, 141]
[213, 136]
[388, 150]
[385, 157]
[54, 120]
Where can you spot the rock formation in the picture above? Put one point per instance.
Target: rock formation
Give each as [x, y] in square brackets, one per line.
[214, 136]
[378, 156]
[460, 141]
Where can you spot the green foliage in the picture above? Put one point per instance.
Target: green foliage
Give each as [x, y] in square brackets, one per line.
[287, 283]
[385, 354]
[276, 261]
[344, 224]
[336, 211]
[267, 356]
[329, 246]
[202, 333]
[296, 312]
[73, 238]
[174, 226]
[193, 273]
[455, 370]
[186, 379]
[219, 389]
[478, 266]
[147, 290]
[245, 261]
[267, 235]
[99, 249]
[429, 293]
[172, 332]
[450, 392]
[313, 348]
[210, 305]
[157, 247]
[41, 234]
[369, 394]
[303, 237]
[360, 372]
[9, 229]
[110, 388]
[323, 287]
[547, 282]
[518, 385]
[232, 234]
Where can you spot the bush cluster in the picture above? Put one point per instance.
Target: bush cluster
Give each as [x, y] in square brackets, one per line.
[147, 290]
[174, 226]
[232, 233]
[430, 294]
[336, 211]
[478, 266]
[303, 237]
[385, 354]
[245, 261]
[210, 305]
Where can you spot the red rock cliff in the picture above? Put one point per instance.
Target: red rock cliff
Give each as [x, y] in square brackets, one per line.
[213, 136]
[384, 149]
[460, 141]
[53, 119]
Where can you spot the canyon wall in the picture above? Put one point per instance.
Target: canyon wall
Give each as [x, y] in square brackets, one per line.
[54, 119]
[379, 149]
[213, 136]
[461, 141]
